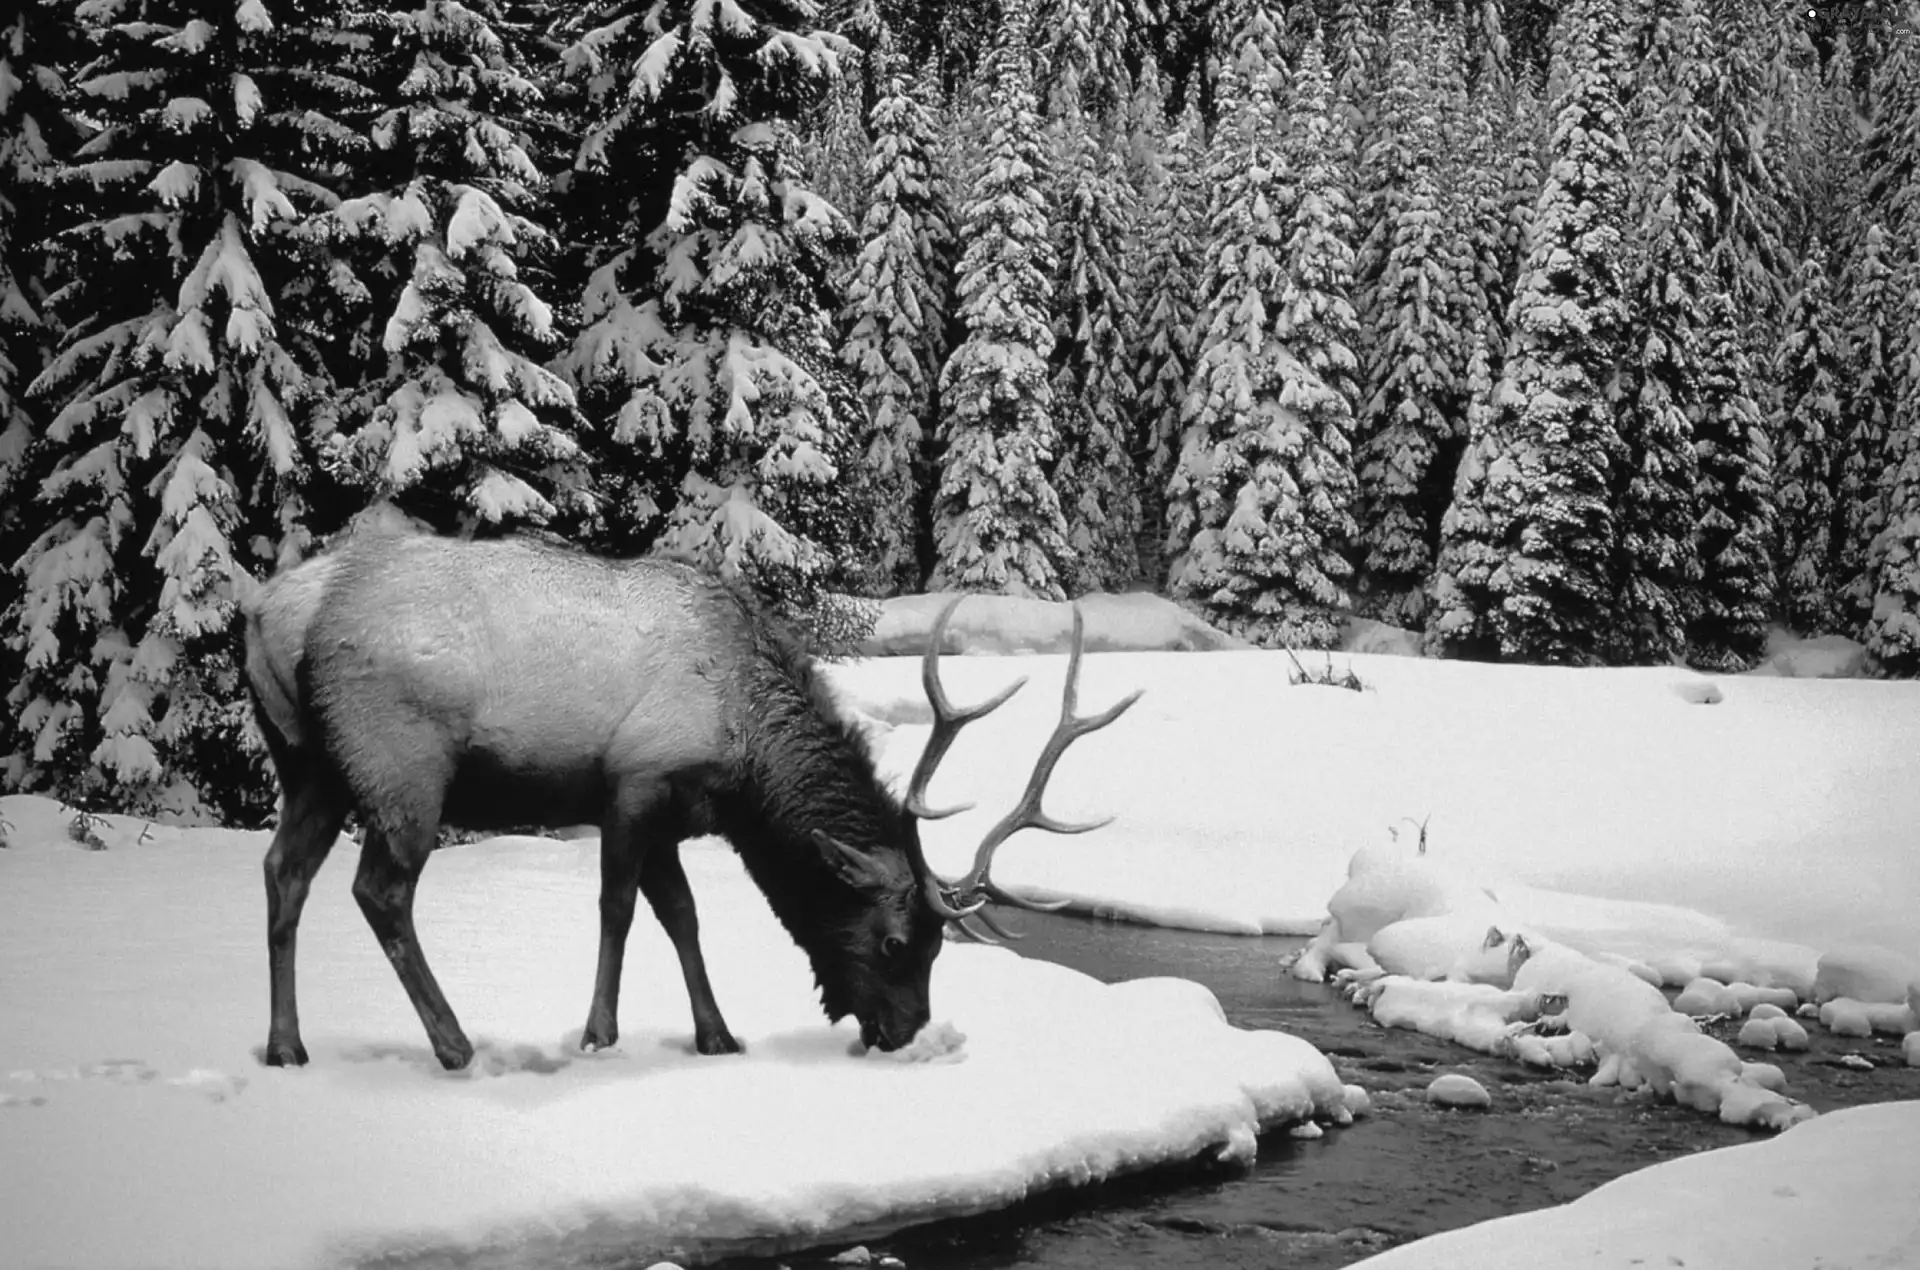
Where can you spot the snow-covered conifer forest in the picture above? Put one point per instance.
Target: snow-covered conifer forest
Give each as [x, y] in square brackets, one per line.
[1562, 331]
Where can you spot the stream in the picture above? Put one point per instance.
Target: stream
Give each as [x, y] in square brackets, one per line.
[1405, 1171]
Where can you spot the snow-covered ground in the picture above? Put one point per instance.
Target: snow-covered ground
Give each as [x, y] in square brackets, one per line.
[1622, 825]
[1718, 816]
[137, 1128]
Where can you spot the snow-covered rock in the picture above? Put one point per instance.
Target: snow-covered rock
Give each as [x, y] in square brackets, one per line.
[1865, 974]
[1844, 1016]
[1457, 1090]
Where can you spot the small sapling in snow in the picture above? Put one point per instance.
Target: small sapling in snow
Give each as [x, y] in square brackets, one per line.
[1324, 676]
[6, 833]
[84, 829]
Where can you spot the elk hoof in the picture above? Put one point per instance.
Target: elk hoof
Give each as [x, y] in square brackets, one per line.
[283, 1053]
[720, 1042]
[598, 1038]
[454, 1058]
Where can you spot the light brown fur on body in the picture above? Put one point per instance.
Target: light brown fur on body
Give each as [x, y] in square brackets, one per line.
[517, 661]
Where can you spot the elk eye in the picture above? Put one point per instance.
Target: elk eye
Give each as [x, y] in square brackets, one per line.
[892, 946]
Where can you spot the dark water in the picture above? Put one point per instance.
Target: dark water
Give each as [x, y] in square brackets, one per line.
[1405, 1171]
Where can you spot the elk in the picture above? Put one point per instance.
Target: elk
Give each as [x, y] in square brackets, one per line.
[419, 681]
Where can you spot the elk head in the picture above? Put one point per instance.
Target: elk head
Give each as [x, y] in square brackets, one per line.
[891, 996]
[891, 944]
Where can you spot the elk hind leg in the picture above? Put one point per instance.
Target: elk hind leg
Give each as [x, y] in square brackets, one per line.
[664, 883]
[390, 865]
[311, 814]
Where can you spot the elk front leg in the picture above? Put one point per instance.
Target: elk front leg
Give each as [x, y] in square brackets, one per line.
[664, 883]
[310, 820]
[619, 883]
[389, 870]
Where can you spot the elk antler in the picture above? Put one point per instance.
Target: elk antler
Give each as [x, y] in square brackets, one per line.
[947, 721]
[958, 900]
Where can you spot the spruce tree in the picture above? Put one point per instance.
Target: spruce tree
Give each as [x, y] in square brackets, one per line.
[1093, 386]
[1263, 495]
[464, 426]
[1460, 598]
[1229, 399]
[1749, 250]
[835, 151]
[1411, 372]
[1476, 215]
[1355, 52]
[1893, 158]
[998, 523]
[1320, 329]
[896, 315]
[181, 398]
[1728, 630]
[704, 361]
[1553, 454]
[1873, 292]
[1658, 566]
[1170, 263]
[1810, 369]
[38, 132]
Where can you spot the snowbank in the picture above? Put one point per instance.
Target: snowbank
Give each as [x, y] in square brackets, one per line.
[137, 1127]
[1836, 1191]
[1793, 656]
[1001, 624]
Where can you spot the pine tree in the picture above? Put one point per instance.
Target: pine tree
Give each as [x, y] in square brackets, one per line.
[182, 396]
[998, 523]
[1810, 369]
[1169, 267]
[1658, 566]
[896, 312]
[1552, 453]
[704, 363]
[1093, 386]
[1411, 378]
[1728, 630]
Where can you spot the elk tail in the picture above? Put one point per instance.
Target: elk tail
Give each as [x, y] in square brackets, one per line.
[276, 616]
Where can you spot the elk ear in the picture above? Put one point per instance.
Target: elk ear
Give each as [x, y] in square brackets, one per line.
[856, 868]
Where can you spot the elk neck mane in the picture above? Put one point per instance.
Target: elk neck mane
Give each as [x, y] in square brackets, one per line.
[802, 766]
